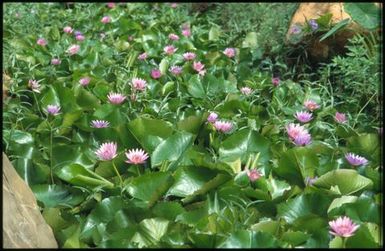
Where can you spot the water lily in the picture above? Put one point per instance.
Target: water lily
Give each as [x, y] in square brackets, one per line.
[42, 42]
[303, 116]
[80, 37]
[169, 49]
[302, 139]
[186, 32]
[99, 123]
[53, 109]
[143, 56]
[355, 160]
[68, 29]
[173, 37]
[343, 227]
[199, 67]
[55, 61]
[73, 49]
[311, 105]
[111, 5]
[298, 134]
[313, 24]
[106, 20]
[212, 117]
[155, 74]
[176, 70]
[275, 81]
[116, 98]
[139, 84]
[34, 85]
[229, 52]
[107, 151]
[189, 56]
[84, 81]
[246, 90]
[253, 174]
[223, 126]
[136, 156]
[340, 117]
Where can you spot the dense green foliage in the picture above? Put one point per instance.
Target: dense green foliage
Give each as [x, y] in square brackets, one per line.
[195, 188]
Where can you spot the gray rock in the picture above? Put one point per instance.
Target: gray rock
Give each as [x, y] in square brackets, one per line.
[23, 224]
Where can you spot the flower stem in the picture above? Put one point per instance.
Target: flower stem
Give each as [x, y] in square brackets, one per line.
[254, 165]
[138, 170]
[249, 162]
[343, 242]
[355, 120]
[37, 103]
[50, 151]
[117, 172]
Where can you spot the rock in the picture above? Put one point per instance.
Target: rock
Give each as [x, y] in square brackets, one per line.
[23, 224]
[334, 45]
[6, 85]
[201, 7]
[307, 11]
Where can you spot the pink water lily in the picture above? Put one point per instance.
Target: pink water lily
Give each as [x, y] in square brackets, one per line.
[343, 227]
[136, 156]
[84, 81]
[253, 174]
[68, 29]
[106, 19]
[275, 81]
[169, 49]
[34, 85]
[111, 5]
[53, 109]
[298, 134]
[340, 117]
[143, 56]
[107, 151]
[311, 105]
[139, 84]
[99, 123]
[173, 37]
[246, 90]
[186, 32]
[116, 98]
[198, 66]
[55, 61]
[189, 56]
[223, 126]
[302, 139]
[303, 116]
[355, 160]
[293, 130]
[176, 70]
[229, 52]
[80, 37]
[41, 41]
[212, 117]
[155, 74]
[73, 49]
